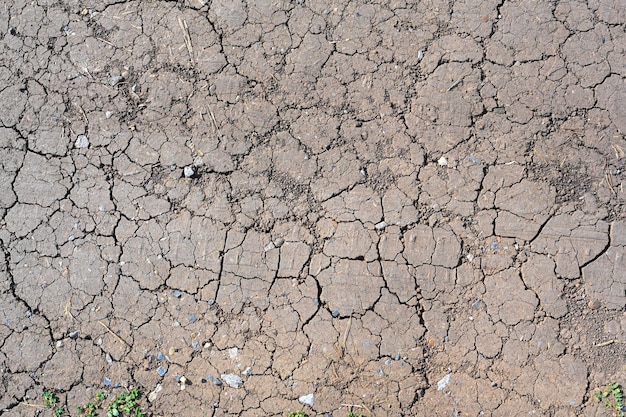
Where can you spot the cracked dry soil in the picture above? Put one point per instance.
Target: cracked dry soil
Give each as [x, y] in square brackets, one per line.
[412, 206]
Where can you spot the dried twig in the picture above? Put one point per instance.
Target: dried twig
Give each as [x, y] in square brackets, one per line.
[183, 26]
[114, 334]
[68, 308]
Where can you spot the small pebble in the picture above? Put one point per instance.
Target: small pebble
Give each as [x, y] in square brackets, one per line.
[247, 372]
[233, 352]
[82, 141]
[279, 242]
[232, 380]
[160, 356]
[161, 370]
[443, 382]
[306, 400]
[106, 381]
[335, 313]
[494, 245]
[59, 343]
[388, 362]
[420, 55]
[152, 396]
[473, 159]
[594, 304]
[195, 344]
[192, 318]
[109, 359]
[442, 161]
[73, 335]
[176, 293]
[189, 171]
[113, 81]
[397, 357]
[108, 114]
[380, 226]
[211, 301]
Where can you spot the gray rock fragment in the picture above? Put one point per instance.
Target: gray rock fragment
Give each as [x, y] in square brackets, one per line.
[153, 395]
[82, 141]
[114, 80]
[443, 382]
[189, 171]
[232, 380]
[306, 400]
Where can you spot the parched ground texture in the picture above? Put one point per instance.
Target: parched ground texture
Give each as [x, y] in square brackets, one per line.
[412, 206]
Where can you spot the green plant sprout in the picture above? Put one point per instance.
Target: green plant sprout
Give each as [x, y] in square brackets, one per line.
[300, 413]
[125, 405]
[611, 397]
[50, 399]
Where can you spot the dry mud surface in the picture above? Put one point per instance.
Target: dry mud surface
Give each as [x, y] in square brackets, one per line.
[413, 206]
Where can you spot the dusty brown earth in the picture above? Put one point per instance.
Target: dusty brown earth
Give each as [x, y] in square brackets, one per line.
[416, 207]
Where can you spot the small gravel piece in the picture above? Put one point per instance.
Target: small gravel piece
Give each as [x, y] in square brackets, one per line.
[232, 380]
[380, 226]
[82, 141]
[161, 370]
[114, 80]
[306, 400]
[189, 171]
[443, 382]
